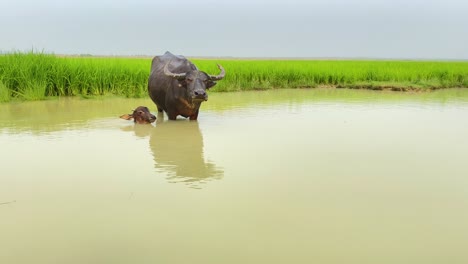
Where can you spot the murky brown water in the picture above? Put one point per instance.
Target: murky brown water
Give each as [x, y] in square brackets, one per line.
[289, 176]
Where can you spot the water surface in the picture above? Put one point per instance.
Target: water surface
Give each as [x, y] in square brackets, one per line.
[287, 176]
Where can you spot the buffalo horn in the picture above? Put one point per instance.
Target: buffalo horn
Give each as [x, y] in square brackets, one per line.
[220, 75]
[173, 75]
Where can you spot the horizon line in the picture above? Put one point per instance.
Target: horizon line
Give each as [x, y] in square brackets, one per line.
[246, 57]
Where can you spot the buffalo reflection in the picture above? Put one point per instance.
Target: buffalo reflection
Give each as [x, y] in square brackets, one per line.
[140, 130]
[177, 148]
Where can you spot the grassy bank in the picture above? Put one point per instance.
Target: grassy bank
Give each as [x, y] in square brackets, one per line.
[28, 76]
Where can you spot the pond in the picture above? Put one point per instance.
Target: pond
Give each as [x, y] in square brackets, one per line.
[282, 176]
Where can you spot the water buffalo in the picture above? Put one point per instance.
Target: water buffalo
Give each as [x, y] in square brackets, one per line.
[177, 87]
[140, 115]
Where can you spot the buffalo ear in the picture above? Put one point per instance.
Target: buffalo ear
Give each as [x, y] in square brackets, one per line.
[127, 116]
[210, 84]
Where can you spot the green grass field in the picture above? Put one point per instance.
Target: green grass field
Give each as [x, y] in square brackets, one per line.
[36, 76]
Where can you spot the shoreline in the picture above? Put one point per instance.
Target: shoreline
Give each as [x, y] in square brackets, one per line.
[370, 87]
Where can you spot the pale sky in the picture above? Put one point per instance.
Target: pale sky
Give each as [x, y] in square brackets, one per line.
[412, 29]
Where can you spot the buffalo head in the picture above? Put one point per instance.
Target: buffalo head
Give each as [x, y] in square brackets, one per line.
[196, 82]
[140, 115]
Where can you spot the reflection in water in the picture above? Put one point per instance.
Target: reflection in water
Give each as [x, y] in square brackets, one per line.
[140, 130]
[177, 147]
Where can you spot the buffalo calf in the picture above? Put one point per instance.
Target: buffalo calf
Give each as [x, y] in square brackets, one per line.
[141, 115]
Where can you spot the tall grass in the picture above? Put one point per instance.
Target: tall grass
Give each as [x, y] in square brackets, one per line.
[35, 76]
[4, 92]
[397, 75]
